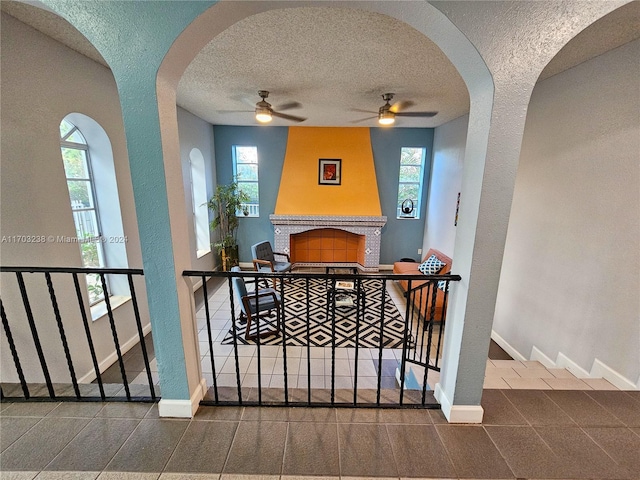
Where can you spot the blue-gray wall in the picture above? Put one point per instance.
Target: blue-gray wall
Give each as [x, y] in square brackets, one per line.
[272, 145]
[400, 238]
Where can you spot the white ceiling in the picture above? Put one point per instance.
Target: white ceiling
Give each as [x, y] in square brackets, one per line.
[331, 61]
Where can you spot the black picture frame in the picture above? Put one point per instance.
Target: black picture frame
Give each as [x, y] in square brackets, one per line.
[329, 171]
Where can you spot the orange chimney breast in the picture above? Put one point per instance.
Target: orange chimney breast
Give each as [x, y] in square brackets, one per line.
[300, 192]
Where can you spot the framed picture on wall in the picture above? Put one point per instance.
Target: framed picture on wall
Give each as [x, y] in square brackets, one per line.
[330, 171]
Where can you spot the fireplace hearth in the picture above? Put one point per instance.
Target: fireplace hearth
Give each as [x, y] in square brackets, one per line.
[361, 249]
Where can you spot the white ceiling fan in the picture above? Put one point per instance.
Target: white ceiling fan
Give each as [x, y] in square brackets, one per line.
[387, 113]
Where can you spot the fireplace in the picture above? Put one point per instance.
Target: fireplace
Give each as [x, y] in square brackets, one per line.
[313, 240]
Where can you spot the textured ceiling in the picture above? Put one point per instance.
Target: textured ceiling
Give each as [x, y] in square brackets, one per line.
[331, 61]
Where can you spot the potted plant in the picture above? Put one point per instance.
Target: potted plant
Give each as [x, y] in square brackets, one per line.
[225, 204]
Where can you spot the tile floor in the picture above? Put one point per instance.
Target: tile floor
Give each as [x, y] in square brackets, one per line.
[525, 434]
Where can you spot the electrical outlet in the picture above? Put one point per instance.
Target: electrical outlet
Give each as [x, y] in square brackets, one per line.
[419, 251]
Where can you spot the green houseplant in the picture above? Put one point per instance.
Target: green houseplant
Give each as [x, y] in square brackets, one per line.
[225, 203]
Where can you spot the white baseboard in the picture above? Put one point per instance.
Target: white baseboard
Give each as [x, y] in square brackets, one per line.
[183, 408]
[507, 347]
[458, 413]
[565, 362]
[90, 376]
[538, 355]
[599, 369]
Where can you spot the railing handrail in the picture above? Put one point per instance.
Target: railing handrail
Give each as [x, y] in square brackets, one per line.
[108, 271]
[337, 276]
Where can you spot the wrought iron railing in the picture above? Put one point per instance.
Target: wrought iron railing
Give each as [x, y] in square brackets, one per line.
[308, 302]
[366, 335]
[23, 336]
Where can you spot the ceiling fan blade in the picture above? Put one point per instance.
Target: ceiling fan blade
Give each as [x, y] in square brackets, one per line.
[233, 111]
[288, 106]
[399, 106]
[416, 114]
[363, 119]
[361, 111]
[288, 117]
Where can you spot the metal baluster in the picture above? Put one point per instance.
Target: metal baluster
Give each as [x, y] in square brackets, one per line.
[405, 339]
[420, 321]
[114, 333]
[355, 368]
[442, 319]
[258, 341]
[208, 318]
[87, 332]
[382, 312]
[63, 337]
[34, 334]
[284, 342]
[430, 336]
[14, 352]
[143, 345]
[333, 340]
[235, 339]
[309, 344]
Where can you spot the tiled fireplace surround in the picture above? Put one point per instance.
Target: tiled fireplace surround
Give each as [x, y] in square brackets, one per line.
[368, 251]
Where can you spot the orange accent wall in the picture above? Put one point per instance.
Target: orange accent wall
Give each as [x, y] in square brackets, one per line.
[300, 193]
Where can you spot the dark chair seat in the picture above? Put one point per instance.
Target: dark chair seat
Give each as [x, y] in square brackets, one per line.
[254, 304]
[264, 260]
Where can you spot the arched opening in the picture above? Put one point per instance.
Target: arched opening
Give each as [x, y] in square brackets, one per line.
[575, 197]
[420, 16]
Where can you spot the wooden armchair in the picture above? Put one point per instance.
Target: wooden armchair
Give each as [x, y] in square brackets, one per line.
[254, 304]
[264, 260]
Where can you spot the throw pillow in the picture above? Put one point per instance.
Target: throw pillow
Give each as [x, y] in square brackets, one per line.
[442, 285]
[431, 265]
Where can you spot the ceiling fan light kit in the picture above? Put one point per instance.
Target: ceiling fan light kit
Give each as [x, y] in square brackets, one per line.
[385, 117]
[263, 115]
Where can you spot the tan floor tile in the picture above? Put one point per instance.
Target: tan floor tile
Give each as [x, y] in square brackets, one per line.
[495, 382]
[532, 364]
[527, 383]
[567, 384]
[128, 476]
[599, 384]
[17, 475]
[501, 373]
[189, 476]
[305, 477]
[67, 476]
[561, 373]
[534, 373]
[508, 364]
[229, 476]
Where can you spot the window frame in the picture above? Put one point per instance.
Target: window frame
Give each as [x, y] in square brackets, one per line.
[252, 208]
[417, 207]
[84, 147]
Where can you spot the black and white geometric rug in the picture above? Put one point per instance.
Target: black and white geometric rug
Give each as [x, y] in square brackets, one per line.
[307, 318]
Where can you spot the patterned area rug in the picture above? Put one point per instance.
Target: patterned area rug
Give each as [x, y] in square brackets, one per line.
[307, 319]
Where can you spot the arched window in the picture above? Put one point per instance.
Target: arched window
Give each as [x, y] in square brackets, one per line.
[86, 216]
[199, 202]
[91, 179]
